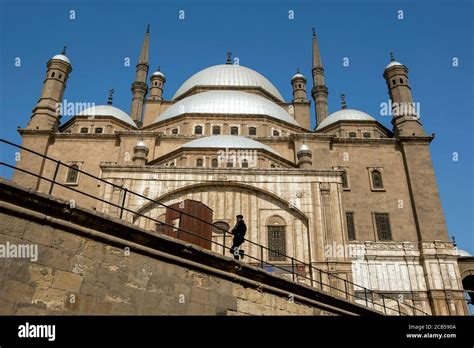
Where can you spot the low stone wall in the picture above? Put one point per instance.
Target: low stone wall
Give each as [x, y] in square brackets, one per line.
[89, 263]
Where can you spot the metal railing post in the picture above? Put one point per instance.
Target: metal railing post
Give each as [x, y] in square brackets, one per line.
[293, 268]
[366, 297]
[399, 310]
[223, 242]
[54, 176]
[383, 302]
[123, 202]
[261, 256]
[345, 289]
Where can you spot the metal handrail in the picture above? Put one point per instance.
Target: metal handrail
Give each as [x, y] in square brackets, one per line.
[260, 261]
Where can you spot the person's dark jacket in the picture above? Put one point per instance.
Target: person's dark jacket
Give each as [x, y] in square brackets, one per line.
[239, 229]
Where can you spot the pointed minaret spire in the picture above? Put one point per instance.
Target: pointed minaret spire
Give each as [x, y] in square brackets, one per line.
[229, 58]
[64, 50]
[343, 101]
[392, 58]
[111, 93]
[139, 86]
[319, 92]
[145, 46]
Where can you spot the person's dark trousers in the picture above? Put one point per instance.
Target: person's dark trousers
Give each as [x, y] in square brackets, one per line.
[236, 242]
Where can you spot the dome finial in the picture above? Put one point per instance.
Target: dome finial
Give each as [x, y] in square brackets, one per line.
[229, 58]
[297, 70]
[63, 52]
[343, 101]
[111, 92]
[159, 67]
[392, 57]
[148, 29]
[314, 32]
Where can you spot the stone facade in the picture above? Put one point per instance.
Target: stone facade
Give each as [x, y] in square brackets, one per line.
[313, 180]
[90, 263]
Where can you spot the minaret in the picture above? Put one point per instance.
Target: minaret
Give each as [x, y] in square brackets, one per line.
[301, 105]
[405, 119]
[298, 83]
[139, 86]
[319, 92]
[47, 111]
[158, 80]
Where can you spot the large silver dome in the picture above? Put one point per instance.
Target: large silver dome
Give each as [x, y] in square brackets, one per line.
[107, 110]
[228, 75]
[345, 115]
[229, 142]
[228, 103]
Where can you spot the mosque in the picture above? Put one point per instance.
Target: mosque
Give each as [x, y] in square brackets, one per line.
[228, 140]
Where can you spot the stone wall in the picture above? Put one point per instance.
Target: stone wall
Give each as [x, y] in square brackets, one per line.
[89, 263]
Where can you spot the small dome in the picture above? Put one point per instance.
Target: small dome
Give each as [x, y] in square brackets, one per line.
[463, 253]
[304, 147]
[227, 103]
[141, 144]
[158, 73]
[298, 75]
[345, 115]
[394, 63]
[108, 110]
[229, 142]
[62, 57]
[228, 75]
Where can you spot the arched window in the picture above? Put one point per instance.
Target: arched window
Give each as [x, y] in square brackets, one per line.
[276, 232]
[172, 164]
[214, 163]
[219, 226]
[60, 76]
[99, 130]
[230, 164]
[276, 133]
[216, 130]
[352, 135]
[393, 82]
[245, 163]
[234, 130]
[84, 130]
[199, 162]
[366, 135]
[198, 130]
[52, 75]
[252, 130]
[72, 174]
[156, 83]
[377, 182]
[401, 80]
[174, 131]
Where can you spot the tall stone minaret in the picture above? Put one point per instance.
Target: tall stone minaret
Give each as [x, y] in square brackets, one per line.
[319, 92]
[46, 113]
[139, 86]
[405, 119]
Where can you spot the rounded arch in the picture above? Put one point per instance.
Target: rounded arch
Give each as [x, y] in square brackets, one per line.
[283, 202]
[275, 220]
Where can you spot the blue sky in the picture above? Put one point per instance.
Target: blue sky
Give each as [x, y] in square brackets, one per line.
[262, 36]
